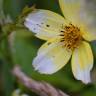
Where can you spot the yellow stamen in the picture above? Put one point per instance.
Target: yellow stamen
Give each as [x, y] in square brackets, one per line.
[71, 36]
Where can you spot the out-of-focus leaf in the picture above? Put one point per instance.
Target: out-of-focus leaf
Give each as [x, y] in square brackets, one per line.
[49, 5]
[88, 91]
[1, 75]
[24, 49]
[1, 5]
[14, 7]
[1, 11]
[7, 78]
[93, 44]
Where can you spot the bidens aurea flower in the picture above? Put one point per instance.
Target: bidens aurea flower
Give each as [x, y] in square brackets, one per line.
[66, 37]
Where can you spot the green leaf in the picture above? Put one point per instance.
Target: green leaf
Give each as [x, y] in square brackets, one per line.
[1, 5]
[14, 7]
[93, 45]
[25, 47]
[7, 78]
[49, 5]
[89, 90]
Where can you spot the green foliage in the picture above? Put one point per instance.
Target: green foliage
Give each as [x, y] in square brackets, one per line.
[24, 47]
[6, 66]
[14, 7]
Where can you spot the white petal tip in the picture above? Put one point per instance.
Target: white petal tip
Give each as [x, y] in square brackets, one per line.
[44, 65]
[84, 77]
[86, 80]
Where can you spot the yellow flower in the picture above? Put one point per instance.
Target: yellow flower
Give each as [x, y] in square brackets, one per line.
[67, 37]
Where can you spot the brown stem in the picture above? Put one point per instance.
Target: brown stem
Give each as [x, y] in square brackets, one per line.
[40, 88]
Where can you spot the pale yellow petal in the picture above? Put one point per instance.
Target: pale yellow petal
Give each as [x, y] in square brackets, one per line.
[82, 62]
[81, 13]
[70, 8]
[87, 35]
[44, 23]
[51, 58]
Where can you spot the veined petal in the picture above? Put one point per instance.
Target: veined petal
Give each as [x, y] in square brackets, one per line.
[81, 13]
[51, 57]
[82, 62]
[46, 24]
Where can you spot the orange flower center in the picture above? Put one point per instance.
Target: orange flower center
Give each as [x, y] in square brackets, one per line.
[71, 36]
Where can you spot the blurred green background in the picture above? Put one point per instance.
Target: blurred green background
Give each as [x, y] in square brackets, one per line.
[24, 49]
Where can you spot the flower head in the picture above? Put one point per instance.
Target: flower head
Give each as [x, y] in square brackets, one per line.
[66, 37]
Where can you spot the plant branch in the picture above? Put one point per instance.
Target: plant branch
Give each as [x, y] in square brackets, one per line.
[40, 88]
